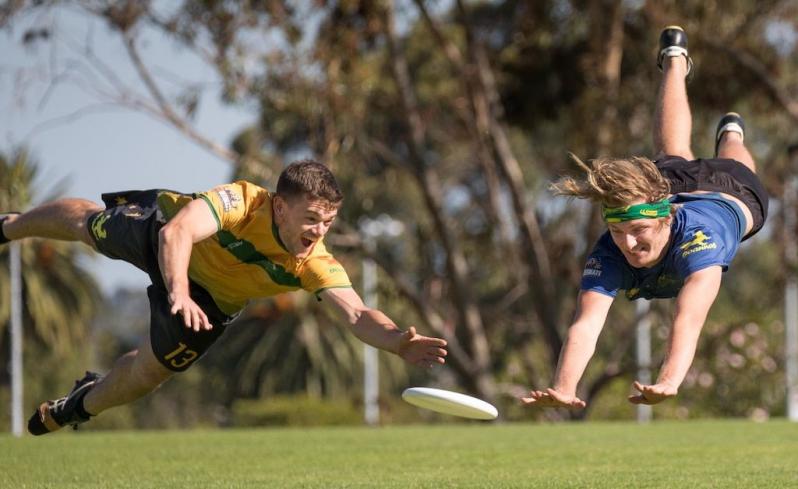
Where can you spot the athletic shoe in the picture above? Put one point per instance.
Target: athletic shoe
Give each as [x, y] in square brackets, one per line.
[673, 42]
[3, 217]
[54, 415]
[731, 122]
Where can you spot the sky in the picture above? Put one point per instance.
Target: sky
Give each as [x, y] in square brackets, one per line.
[113, 149]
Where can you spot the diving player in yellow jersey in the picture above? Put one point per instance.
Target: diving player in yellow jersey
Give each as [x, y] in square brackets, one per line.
[207, 254]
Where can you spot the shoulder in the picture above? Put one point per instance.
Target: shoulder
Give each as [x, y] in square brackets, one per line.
[242, 191]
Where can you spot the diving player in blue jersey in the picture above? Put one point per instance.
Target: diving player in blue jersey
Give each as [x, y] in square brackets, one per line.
[674, 226]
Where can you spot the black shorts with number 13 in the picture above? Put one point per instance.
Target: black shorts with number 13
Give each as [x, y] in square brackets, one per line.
[128, 230]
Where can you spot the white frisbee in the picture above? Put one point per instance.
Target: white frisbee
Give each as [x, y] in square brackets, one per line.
[449, 402]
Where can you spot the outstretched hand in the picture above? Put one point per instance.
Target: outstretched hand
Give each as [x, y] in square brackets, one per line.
[193, 315]
[553, 398]
[419, 350]
[652, 394]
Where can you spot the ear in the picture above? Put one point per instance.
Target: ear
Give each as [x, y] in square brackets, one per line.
[278, 206]
[278, 203]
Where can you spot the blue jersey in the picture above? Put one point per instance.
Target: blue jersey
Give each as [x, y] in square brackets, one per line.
[706, 231]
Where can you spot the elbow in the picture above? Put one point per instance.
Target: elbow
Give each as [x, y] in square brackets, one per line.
[168, 233]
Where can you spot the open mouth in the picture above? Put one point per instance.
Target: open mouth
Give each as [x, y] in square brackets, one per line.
[306, 242]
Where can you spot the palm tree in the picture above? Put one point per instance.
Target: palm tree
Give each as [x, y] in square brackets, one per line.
[59, 296]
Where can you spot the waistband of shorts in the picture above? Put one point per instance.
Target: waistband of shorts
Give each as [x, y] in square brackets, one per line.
[732, 205]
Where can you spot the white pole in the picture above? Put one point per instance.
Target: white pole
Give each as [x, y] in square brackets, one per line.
[16, 338]
[643, 348]
[791, 298]
[371, 375]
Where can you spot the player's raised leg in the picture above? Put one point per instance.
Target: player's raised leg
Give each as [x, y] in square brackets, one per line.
[673, 122]
[63, 219]
[134, 375]
[729, 140]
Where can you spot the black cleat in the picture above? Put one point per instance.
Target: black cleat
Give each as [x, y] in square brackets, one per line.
[673, 42]
[54, 415]
[3, 217]
[731, 122]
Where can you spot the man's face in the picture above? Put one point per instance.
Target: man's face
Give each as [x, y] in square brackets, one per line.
[642, 241]
[302, 222]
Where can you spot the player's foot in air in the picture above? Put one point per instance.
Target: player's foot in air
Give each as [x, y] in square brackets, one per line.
[54, 415]
[673, 42]
[731, 122]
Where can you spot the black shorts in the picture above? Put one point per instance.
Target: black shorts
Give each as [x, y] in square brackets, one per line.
[128, 230]
[718, 175]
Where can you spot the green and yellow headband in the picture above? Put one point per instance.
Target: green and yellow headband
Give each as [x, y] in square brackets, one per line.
[651, 210]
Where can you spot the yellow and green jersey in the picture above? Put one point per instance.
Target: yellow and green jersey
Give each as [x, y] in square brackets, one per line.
[246, 259]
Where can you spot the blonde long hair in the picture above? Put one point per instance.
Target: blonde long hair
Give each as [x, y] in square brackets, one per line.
[615, 182]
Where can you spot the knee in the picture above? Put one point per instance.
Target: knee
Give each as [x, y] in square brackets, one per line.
[150, 374]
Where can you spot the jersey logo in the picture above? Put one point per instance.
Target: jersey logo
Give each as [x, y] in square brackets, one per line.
[592, 268]
[698, 243]
[133, 210]
[334, 266]
[97, 228]
[229, 199]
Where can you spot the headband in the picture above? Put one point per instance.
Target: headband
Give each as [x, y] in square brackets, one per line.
[651, 210]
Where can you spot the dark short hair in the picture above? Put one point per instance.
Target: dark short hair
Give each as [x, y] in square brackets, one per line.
[311, 178]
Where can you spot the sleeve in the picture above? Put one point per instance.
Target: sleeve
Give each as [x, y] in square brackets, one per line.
[702, 249]
[323, 271]
[602, 273]
[228, 204]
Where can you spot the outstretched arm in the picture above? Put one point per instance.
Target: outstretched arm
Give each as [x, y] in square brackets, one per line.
[376, 329]
[591, 312]
[692, 306]
[191, 224]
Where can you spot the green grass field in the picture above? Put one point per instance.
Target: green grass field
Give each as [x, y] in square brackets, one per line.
[692, 454]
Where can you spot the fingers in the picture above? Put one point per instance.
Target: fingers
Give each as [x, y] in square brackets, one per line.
[651, 394]
[411, 335]
[535, 397]
[193, 316]
[553, 398]
[431, 358]
[422, 351]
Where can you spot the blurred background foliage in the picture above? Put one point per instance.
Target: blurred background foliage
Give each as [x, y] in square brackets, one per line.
[449, 117]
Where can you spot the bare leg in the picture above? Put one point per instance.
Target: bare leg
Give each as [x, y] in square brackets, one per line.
[731, 146]
[134, 375]
[63, 219]
[673, 122]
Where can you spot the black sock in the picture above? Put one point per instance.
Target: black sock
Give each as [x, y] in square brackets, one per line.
[82, 410]
[3, 238]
